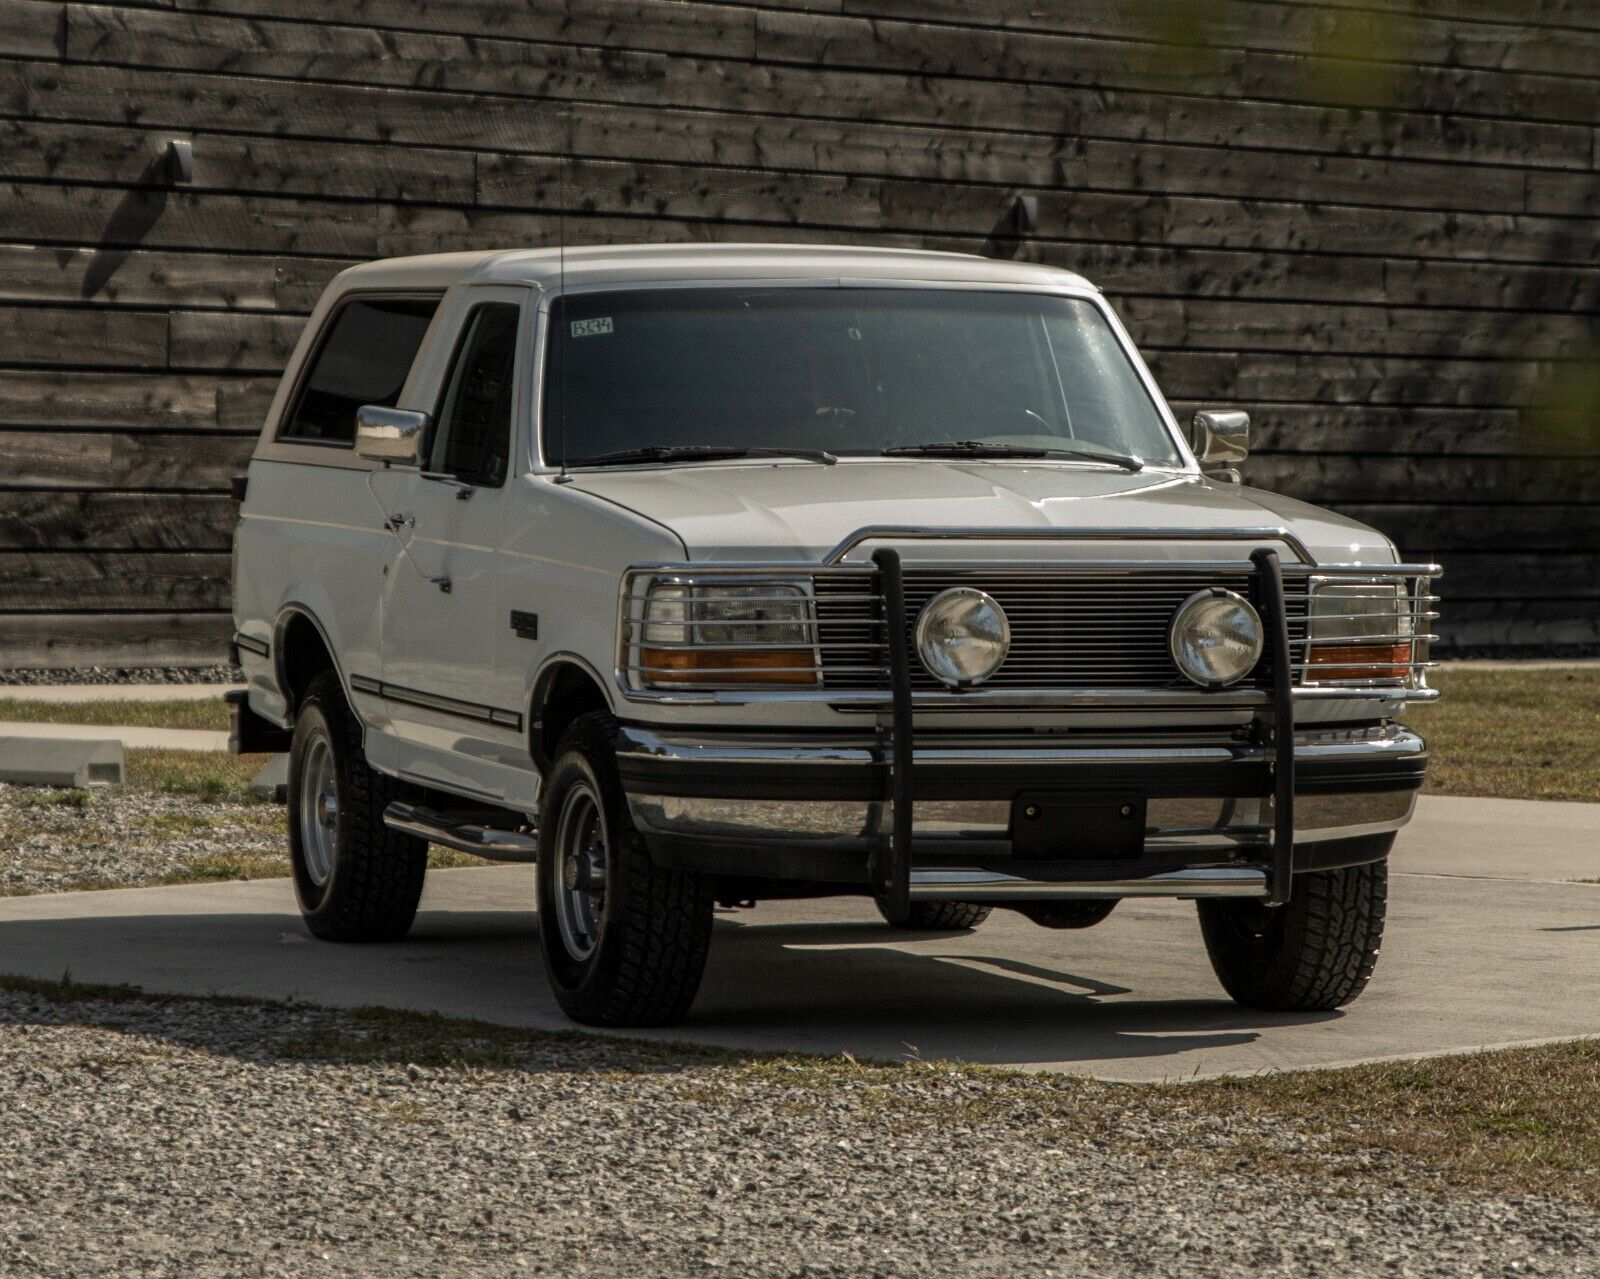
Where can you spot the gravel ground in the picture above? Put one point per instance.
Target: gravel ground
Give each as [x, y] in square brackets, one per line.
[220, 674]
[202, 1139]
[51, 841]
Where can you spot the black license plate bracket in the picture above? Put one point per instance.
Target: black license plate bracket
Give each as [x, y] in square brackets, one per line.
[1077, 827]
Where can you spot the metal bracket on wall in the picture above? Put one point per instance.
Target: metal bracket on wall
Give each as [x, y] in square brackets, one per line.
[1016, 225]
[180, 160]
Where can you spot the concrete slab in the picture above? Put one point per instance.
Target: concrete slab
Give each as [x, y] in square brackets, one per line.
[114, 692]
[1502, 839]
[1469, 962]
[272, 782]
[177, 739]
[34, 761]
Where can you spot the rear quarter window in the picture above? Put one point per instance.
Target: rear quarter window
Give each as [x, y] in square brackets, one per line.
[363, 356]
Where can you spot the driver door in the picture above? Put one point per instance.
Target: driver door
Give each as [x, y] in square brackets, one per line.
[455, 717]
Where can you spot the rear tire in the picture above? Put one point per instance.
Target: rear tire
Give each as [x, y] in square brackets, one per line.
[625, 941]
[943, 917]
[1315, 954]
[355, 879]
[1082, 912]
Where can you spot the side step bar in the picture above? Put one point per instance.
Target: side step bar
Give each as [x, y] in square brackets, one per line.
[460, 834]
[959, 884]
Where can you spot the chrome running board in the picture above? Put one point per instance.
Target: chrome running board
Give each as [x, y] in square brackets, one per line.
[488, 842]
[959, 884]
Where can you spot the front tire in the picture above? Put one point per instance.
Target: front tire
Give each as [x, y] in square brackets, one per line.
[355, 879]
[625, 941]
[1314, 954]
[943, 917]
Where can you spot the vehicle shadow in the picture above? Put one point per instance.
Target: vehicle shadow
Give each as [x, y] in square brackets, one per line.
[824, 987]
[872, 991]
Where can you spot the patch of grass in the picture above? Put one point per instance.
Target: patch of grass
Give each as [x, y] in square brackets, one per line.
[65, 990]
[448, 859]
[75, 797]
[388, 1036]
[223, 867]
[1515, 734]
[364, 1044]
[211, 714]
[207, 775]
[1515, 1121]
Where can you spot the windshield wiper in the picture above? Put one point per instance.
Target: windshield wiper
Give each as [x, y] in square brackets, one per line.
[698, 453]
[1127, 461]
[978, 448]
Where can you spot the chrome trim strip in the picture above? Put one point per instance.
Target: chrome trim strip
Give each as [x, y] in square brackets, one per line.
[733, 751]
[870, 700]
[478, 714]
[960, 884]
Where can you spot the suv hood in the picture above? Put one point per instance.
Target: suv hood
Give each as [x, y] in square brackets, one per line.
[799, 511]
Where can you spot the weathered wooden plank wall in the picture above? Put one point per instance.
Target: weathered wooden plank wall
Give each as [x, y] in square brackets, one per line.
[1377, 226]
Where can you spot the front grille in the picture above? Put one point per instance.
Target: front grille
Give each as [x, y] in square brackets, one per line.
[1076, 631]
[1069, 629]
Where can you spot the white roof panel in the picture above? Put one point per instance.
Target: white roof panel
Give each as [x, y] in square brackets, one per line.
[647, 263]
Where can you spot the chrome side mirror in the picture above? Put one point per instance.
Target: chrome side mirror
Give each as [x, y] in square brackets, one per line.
[391, 435]
[1221, 437]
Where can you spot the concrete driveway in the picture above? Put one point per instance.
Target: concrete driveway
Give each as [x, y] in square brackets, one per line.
[1489, 943]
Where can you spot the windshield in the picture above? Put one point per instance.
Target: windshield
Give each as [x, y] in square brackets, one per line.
[853, 371]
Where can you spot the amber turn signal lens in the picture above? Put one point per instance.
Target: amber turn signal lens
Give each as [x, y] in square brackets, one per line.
[1359, 661]
[728, 666]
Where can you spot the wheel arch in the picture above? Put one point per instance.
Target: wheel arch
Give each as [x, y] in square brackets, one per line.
[301, 651]
[565, 687]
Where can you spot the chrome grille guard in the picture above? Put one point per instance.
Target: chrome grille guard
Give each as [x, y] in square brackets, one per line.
[1279, 589]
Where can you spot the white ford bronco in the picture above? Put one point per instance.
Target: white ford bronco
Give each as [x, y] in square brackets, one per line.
[713, 574]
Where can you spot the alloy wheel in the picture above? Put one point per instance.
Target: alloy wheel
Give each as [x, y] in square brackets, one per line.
[580, 889]
[319, 811]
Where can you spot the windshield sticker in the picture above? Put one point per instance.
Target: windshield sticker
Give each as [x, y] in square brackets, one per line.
[589, 328]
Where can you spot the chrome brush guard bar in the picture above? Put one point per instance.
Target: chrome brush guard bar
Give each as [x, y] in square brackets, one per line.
[1277, 583]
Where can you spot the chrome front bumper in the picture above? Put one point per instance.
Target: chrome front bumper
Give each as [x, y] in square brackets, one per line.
[1209, 809]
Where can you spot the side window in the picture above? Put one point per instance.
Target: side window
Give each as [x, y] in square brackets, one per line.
[364, 357]
[473, 436]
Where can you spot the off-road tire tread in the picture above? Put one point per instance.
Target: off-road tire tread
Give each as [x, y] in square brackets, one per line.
[944, 916]
[1325, 951]
[380, 872]
[665, 928]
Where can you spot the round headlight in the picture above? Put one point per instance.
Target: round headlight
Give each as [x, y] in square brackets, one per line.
[1216, 638]
[962, 636]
